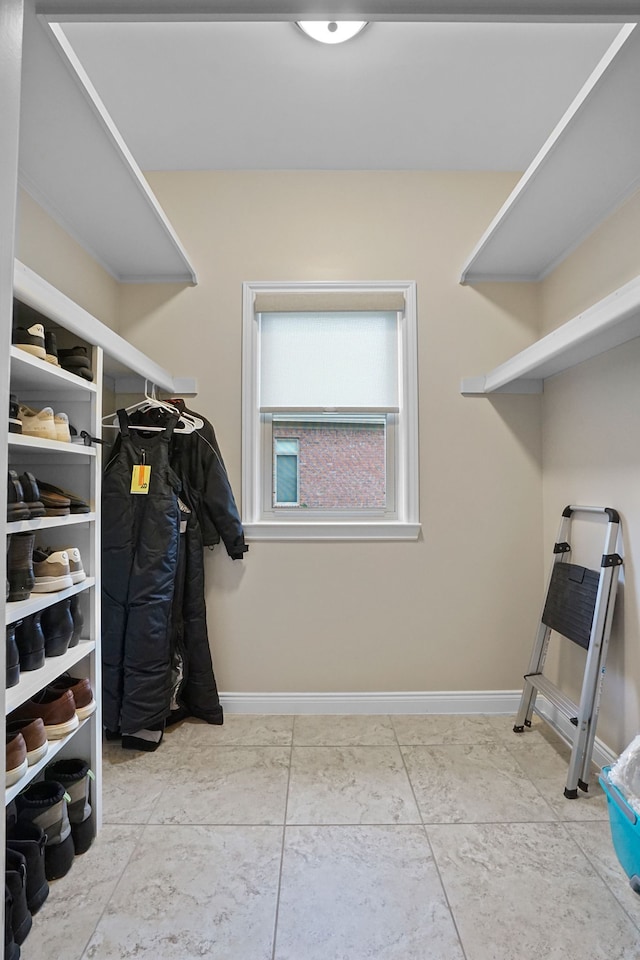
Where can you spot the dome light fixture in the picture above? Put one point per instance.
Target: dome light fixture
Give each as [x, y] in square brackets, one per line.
[332, 31]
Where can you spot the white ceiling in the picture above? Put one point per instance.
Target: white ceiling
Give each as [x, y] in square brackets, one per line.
[453, 96]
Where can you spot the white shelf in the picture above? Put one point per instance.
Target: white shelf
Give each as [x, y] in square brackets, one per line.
[121, 359]
[585, 170]
[48, 523]
[20, 441]
[32, 681]
[30, 373]
[607, 324]
[55, 746]
[19, 609]
[75, 164]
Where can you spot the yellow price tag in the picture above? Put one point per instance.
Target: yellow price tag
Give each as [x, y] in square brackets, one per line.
[140, 478]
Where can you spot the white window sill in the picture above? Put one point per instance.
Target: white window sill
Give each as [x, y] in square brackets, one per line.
[331, 530]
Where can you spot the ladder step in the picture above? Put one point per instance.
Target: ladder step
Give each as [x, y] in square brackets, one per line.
[553, 694]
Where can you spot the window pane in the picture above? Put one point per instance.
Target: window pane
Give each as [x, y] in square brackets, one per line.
[341, 462]
[329, 361]
[287, 479]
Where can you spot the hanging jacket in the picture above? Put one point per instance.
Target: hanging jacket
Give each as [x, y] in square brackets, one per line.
[140, 539]
[194, 690]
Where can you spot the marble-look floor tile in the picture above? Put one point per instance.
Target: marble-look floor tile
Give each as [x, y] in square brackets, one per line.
[472, 784]
[343, 731]
[527, 891]
[228, 785]
[64, 924]
[547, 765]
[362, 893]
[193, 892]
[439, 728]
[242, 729]
[349, 785]
[539, 730]
[132, 782]
[594, 839]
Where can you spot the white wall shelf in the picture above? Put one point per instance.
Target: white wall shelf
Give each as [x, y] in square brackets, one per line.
[38, 445]
[588, 166]
[19, 609]
[28, 372]
[75, 164]
[49, 523]
[607, 324]
[32, 681]
[121, 359]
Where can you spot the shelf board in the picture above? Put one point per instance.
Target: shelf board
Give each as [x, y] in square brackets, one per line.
[607, 324]
[588, 166]
[48, 523]
[121, 359]
[19, 609]
[21, 441]
[30, 373]
[75, 164]
[31, 681]
[55, 746]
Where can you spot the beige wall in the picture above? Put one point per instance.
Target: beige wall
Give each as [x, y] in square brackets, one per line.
[45, 247]
[591, 451]
[455, 610]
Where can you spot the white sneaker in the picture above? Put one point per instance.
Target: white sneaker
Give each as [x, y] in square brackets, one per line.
[61, 422]
[38, 423]
[75, 564]
[51, 572]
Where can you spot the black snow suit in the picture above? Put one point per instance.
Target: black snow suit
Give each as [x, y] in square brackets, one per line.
[140, 540]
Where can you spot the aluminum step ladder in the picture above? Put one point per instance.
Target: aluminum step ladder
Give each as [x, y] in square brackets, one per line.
[579, 605]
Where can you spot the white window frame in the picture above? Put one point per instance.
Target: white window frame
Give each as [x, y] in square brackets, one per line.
[258, 522]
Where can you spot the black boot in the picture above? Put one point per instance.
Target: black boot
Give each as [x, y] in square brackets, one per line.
[74, 775]
[44, 804]
[11, 948]
[29, 839]
[16, 507]
[32, 495]
[20, 566]
[78, 620]
[30, 642]
[16, 880]
[57, 626]
[13, 657]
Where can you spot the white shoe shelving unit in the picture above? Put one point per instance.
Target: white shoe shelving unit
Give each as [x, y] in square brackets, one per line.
[121, 368]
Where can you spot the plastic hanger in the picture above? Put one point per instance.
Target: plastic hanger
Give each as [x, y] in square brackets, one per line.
[186, 424]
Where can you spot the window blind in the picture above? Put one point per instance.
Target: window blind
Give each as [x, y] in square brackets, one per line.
[317, 361]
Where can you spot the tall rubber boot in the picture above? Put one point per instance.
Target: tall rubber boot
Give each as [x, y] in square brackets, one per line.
[29, 839]
[11, 948]
[75, 777]
[44, 803]
[16, 880]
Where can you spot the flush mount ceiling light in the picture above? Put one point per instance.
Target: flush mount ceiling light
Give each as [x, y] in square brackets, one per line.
[331, 31]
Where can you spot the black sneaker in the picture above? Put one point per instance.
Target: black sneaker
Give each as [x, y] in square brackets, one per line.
[15, 423]
[16, 507]
[32, 495]
[76, 360]
[51, 348]
[30, 339]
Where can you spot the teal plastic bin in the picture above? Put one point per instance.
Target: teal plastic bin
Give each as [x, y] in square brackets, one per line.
[625, 830]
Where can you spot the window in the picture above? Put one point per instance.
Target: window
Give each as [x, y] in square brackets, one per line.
[330, 411]
[285, 472]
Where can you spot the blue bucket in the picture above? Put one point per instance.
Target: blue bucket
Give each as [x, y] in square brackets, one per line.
[625, 830]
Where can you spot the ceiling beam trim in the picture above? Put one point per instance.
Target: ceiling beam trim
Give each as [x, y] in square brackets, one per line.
[505, 11]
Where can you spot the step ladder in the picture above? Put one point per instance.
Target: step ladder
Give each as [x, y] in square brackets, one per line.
[579, 605]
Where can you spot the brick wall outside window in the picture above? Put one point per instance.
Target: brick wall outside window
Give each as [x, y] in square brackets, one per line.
[342, 465]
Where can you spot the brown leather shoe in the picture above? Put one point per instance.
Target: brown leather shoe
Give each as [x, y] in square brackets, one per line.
[16, 758]
[35, 737]
[80, 687]
[57, 711]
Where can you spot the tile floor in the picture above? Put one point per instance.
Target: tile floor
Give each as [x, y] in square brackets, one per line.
[344, 838]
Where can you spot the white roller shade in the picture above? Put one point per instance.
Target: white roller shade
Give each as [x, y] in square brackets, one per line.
[329, 361]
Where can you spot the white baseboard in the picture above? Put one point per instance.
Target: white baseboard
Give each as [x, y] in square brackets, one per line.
[403, 702]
